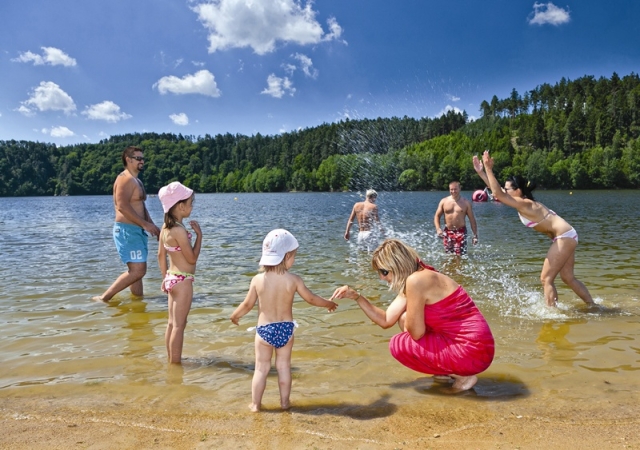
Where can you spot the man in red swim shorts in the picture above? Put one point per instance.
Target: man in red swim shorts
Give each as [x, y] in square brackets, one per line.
[455, 209]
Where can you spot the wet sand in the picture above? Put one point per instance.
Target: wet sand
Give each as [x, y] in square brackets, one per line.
[107, 421]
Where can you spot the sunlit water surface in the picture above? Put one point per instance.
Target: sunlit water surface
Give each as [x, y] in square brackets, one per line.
[58, 252]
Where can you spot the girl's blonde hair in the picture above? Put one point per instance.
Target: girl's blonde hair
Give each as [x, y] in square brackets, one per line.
[280, 268]
[399, 259]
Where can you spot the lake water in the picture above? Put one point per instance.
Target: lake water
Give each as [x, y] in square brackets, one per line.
[58, 252]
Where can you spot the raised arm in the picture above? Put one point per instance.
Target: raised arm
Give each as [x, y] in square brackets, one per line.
[385, 319]
[189, 252]
[494, 185]
[477, 165]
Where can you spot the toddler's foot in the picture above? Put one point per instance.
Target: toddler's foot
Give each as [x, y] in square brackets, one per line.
[285, 406]
[254, 408]
[463, 383]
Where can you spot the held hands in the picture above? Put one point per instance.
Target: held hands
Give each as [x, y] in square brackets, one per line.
[345, 292]
[331, 307]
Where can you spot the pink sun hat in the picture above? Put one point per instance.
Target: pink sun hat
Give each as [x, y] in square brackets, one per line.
[276, 245]
[172, 193]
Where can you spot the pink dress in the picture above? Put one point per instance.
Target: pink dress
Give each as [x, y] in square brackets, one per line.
[457, 340]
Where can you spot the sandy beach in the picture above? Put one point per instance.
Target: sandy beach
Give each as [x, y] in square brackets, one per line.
[107, 422]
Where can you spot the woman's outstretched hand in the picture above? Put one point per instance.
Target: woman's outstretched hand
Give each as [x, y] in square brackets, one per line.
[344, 292]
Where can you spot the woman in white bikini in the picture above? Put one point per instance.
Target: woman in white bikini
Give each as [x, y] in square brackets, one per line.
[178, 278]
[561, 255]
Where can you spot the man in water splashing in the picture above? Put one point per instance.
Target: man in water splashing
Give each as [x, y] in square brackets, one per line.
[455, 209]
[367, 215]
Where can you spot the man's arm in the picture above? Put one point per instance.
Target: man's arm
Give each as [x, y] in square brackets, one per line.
[436, 218]
[472, 221]
[350, 222]
[377, 219]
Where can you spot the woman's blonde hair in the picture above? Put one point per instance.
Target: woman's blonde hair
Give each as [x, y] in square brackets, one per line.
[280, 268]
[399, 259]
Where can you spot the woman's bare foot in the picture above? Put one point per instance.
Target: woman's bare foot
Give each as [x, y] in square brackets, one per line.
[463, 383]
[442, 378]
[254, 408]
[99, 299]
[285, 405]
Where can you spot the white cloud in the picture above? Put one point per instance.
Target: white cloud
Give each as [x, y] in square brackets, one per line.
[261, 24]
[51, 56]
[198, 63]
[548, 13]
[277, 87]
[202, 82]
[289, 69]
[453, 98]
[60, 132]
[48, 97]
[179, 119]
[107, 111]
[447, 109]
[306, 65]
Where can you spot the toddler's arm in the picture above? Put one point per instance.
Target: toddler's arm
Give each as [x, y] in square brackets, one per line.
[312, 298]
[247, 304]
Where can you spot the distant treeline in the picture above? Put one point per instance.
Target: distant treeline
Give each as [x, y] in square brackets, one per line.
[581, 134]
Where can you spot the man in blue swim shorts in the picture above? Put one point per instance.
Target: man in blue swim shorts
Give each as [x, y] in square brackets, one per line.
[132, 225]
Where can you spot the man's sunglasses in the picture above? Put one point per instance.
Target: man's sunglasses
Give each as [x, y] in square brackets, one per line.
[137, 158]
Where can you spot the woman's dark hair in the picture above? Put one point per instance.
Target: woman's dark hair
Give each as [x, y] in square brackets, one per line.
[526, 186]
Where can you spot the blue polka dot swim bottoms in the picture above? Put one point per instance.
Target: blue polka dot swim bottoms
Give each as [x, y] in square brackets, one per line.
[276, 334]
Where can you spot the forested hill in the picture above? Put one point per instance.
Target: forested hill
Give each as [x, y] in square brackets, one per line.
[579, 134]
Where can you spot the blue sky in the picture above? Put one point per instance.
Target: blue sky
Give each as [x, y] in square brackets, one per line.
[80, 71]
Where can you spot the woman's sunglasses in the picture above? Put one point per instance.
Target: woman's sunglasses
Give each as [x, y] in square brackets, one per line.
[384, 272]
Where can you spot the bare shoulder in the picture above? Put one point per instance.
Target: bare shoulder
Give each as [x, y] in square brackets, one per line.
[123, 180]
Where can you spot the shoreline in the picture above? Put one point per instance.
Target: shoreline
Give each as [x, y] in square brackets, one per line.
[448, 422]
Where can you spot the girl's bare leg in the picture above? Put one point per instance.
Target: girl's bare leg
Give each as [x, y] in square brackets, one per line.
[283, 365]
[182, 294]
[167, 333]
[263, 364]
[559, 252]
[567, 275]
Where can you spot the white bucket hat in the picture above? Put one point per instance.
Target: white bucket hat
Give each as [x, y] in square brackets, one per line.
[276, 245]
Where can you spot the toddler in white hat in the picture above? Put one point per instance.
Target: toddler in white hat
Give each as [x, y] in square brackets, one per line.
[276, 287]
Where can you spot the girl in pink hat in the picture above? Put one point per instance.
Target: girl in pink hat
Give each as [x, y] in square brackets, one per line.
[175, 241]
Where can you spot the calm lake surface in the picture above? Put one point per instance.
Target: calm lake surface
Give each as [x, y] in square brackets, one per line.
[58, 252]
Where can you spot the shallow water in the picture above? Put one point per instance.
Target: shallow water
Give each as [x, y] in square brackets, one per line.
[58, 252]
